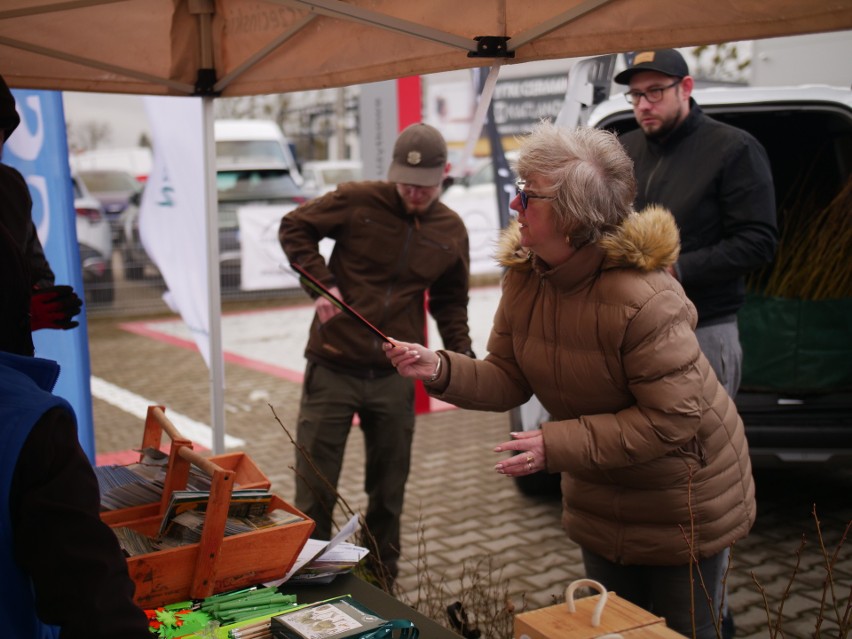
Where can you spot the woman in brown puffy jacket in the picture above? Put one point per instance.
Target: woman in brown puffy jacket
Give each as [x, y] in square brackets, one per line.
[654, 461]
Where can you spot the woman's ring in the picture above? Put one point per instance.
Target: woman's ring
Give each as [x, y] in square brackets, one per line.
[529, 465]
[530, 459]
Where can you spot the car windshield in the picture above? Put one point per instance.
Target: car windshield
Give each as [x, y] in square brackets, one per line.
[256, 184]
[254, 150]
[237, 187]
[105, 181]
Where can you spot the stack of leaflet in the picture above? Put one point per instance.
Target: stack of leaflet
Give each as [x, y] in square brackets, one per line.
[320, 562]
[133, 542]
[142, 482]
[122, 487]
[184, 520]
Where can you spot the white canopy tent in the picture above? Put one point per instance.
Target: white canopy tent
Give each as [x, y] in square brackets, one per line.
[212, 48]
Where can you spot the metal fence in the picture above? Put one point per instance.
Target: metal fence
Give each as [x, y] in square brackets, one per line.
[142, 295]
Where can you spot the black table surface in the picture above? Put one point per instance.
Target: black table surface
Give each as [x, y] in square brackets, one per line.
[373, 598]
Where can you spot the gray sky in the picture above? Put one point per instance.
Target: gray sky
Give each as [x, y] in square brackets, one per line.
[125, 115]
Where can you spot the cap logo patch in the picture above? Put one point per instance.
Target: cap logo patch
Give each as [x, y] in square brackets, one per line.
[645, 56]
[413, 158]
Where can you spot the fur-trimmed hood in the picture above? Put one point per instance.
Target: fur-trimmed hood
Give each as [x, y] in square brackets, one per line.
[647, 241]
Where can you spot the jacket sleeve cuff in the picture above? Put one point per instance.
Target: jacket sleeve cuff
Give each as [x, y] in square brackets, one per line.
[440, 383]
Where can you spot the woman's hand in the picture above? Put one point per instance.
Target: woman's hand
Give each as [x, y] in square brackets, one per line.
[411, 360]
[531, 457]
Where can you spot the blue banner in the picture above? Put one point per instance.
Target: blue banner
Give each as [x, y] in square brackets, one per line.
[38, 148]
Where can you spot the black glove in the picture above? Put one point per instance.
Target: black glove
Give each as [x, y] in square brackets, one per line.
[53, 307]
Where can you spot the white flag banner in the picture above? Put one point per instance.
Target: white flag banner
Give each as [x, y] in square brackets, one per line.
[174, 204]
[264, 265]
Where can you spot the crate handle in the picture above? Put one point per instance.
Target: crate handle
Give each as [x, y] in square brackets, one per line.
[156, 423]
[211, 468]
[587, 583]
[213, 531]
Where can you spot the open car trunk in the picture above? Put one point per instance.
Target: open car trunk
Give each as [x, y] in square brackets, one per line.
[796, 325]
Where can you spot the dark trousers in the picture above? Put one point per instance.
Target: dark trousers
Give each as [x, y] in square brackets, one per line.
[385, 407]
[666, 590]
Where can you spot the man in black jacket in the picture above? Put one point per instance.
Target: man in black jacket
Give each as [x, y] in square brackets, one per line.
[717, 182]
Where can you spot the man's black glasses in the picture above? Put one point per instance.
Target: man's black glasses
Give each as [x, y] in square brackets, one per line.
[651, 95]
[526, 197]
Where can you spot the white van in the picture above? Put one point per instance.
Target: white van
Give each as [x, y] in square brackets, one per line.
[256, 142]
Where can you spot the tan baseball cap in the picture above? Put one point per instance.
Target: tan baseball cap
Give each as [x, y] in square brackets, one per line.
[419, 156]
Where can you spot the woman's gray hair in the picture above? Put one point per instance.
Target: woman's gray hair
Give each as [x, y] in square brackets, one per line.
[591, 173]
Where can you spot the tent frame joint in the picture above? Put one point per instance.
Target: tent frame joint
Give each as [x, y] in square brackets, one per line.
[205, 83]
[491, 47]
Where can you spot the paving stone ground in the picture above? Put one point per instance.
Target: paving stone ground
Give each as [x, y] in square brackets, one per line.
[461, 515]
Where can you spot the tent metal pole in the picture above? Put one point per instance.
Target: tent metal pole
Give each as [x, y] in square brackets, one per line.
[483, 101]
[211, 227]
[346, 11]
[205, 9]
[249, 62]
[575, 13]
[177, 87]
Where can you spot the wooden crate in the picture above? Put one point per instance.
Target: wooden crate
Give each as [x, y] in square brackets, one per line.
[589, 617]
[246, 473]
[652, 632]
[217, 563]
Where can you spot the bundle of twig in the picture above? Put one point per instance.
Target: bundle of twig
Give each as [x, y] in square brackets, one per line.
[814, 256]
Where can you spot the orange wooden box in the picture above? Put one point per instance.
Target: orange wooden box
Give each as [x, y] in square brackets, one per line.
[216, 563]
[246, 472]
[651, 632]
[590, 617]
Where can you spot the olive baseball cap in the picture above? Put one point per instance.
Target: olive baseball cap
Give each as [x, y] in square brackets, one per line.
[668, 61]
[419, 156]
[9, 118]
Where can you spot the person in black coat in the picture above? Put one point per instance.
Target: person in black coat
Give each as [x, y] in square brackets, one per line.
[51, 306]
[63, 571]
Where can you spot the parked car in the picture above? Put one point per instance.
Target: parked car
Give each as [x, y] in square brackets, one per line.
[322, 176]
[474, 198]
[113, 188]
[94, 240]
[259, 142]
[136, 263]
[241, 184]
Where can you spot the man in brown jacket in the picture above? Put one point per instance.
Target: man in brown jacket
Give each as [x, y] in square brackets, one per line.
[394, 241]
